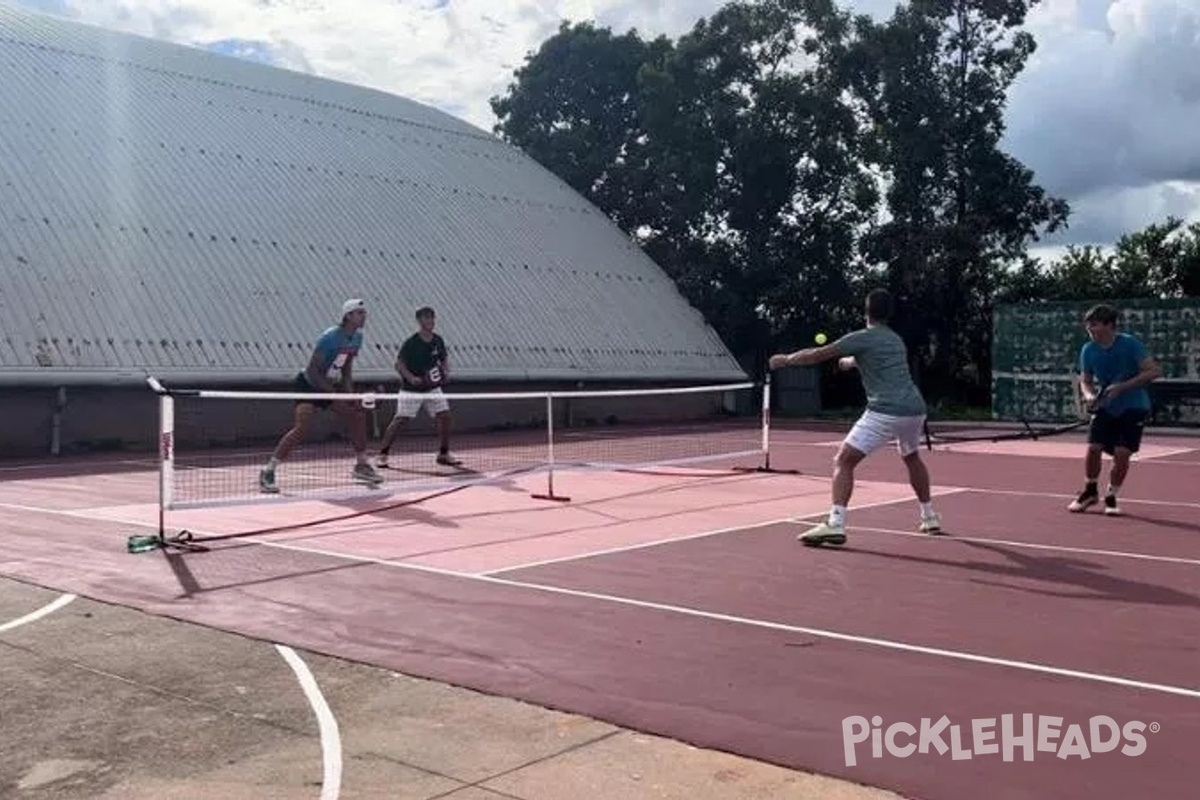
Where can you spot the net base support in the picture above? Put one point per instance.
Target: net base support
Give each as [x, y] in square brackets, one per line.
[142, 543]
[557, 498]
[550, 494]
[1029, 432]
[766, 468]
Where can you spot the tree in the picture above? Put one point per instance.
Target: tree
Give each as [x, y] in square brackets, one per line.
[933, 80]
[731, 156]
[1160, 261]
[575, 108]
[757, 154]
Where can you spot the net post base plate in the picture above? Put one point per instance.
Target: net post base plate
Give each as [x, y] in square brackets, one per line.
[161, 541]
[558, 498]
[769, 469]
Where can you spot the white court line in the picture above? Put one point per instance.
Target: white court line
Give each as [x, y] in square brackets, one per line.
[887, 644]
[148, 462]
[68, 487]
[1059, 496]
[1176, 452]
[1171, 463]
[950, 538]
[690, 537]
[717, 617]
[331, 742]
[33, 616]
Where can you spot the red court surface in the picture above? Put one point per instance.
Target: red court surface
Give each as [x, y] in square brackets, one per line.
[678, 602]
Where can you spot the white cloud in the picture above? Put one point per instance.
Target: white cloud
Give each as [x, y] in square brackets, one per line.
[1105, 114]
[1106, 111]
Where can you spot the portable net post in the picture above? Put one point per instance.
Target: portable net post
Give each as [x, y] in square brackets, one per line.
[139, 543]
[549, 493]
[765, 421]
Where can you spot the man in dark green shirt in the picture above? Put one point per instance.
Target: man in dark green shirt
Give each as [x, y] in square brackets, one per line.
[423, 364]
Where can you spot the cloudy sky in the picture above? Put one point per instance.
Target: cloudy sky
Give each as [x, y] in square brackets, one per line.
[1107, 114]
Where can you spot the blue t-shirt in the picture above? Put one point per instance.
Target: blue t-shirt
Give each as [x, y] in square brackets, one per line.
[336, 350]
[1118, 362]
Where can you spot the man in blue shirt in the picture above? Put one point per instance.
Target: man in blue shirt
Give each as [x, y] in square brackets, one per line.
[1114, 370]
[329, 371]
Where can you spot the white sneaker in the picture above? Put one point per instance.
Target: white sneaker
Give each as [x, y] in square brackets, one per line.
[931, 524]
[823, 534]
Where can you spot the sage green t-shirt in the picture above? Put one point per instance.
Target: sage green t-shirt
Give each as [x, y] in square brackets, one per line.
[883, 365]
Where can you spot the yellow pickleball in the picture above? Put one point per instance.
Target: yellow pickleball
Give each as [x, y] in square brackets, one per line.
[820, 338]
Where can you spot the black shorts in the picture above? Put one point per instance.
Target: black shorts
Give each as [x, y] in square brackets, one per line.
[1122, 430]
[301, 384]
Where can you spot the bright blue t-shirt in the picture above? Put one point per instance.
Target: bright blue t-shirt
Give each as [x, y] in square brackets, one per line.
[1118, 362]
[336, 349]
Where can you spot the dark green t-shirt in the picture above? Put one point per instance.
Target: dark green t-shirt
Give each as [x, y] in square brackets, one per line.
[427, 359]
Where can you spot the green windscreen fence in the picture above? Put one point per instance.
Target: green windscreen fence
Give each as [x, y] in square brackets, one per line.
[1035, 357]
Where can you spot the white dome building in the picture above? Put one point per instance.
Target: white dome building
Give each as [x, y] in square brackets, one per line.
[200, 218]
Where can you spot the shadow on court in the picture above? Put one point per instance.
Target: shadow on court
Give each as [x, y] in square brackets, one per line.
[1166, 523]
[1060, 570]
[231, 567]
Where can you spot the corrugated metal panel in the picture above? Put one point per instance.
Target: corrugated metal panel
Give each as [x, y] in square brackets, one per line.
[172, 211]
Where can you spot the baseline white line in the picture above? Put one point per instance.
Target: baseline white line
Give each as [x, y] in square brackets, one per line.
[33, 616]
[887, 644]
[331, 743]
[950, 538]
[686, 537]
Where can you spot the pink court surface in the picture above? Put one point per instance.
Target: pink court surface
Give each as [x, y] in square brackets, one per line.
[678, 602]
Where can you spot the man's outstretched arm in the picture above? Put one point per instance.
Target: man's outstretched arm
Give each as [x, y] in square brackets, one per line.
[806, 357]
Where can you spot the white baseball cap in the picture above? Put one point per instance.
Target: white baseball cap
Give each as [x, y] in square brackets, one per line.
[353, 305]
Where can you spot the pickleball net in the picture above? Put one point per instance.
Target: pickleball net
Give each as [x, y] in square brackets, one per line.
[1061, 410]
[215, 443]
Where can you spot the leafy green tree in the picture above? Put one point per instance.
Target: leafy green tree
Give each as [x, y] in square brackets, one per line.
[731, 156]
[575, 107]
[934, 80]
[1160, 261]
[757, 153]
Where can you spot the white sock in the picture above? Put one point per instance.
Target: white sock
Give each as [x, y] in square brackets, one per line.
[272, 463]
[927, 509]
[837, 516]
[1113, 488]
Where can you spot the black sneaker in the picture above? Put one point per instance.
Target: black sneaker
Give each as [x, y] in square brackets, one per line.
[1110, 506]
[1087, 498]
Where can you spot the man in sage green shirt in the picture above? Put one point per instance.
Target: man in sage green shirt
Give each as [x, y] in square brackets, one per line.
[895, 412]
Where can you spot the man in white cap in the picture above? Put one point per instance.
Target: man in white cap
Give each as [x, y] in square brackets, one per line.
[329, 370]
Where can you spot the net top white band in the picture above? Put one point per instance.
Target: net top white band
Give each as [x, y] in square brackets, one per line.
[368, 398]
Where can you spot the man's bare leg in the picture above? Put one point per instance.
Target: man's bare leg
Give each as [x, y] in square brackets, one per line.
[301, 422]
[443, 426]
[833, 529]
[355, 417]
[918, 478]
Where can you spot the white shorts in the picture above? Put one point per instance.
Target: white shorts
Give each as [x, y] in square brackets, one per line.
[873, 430]
[408, 405]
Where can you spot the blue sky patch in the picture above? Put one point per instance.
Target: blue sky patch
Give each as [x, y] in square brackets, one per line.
[243, 48]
